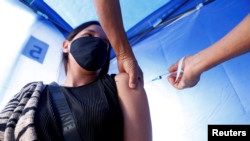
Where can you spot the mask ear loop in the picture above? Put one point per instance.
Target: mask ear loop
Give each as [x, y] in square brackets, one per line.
[108, 44]
[108, 48]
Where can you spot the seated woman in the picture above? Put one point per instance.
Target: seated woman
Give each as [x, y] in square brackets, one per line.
[103, 107]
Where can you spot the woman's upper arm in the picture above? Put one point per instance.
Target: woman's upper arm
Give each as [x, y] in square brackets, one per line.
[134, 104]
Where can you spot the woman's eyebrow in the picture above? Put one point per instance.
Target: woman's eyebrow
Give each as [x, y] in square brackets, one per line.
[88, 30]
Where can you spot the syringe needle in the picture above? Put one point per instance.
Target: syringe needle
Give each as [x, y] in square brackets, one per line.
[178, 72]
[163, 75]
[167, 74]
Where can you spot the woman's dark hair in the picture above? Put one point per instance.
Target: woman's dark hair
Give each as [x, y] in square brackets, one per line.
[71, 36]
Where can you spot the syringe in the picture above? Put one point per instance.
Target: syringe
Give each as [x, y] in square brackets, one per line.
[164, 75]
[178, 72]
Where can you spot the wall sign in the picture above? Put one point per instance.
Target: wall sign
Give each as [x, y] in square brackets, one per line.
[35, 49]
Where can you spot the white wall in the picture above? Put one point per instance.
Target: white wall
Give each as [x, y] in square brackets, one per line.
[17, 24]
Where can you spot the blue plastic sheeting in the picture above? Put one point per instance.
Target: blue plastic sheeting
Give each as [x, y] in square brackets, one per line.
[167, 12]
[69, 14]
[223, 93]
[42, 9]
[164, 16]
[157, 16]
[66, 15]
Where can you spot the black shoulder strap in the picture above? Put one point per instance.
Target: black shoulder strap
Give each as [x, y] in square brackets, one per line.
[70, 132]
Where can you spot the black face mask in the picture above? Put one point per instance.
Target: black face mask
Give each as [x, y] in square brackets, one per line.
[89, 52]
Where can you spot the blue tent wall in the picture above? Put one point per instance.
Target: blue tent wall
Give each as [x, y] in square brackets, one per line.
[223, 93]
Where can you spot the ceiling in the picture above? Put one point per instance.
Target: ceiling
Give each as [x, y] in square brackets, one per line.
[78, 11]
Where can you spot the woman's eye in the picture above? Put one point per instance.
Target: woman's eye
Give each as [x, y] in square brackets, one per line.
[87, 35]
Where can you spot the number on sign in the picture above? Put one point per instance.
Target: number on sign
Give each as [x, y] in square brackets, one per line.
[35, 49]
[38, 51]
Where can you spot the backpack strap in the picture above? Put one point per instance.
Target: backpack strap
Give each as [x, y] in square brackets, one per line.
[66, 119]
